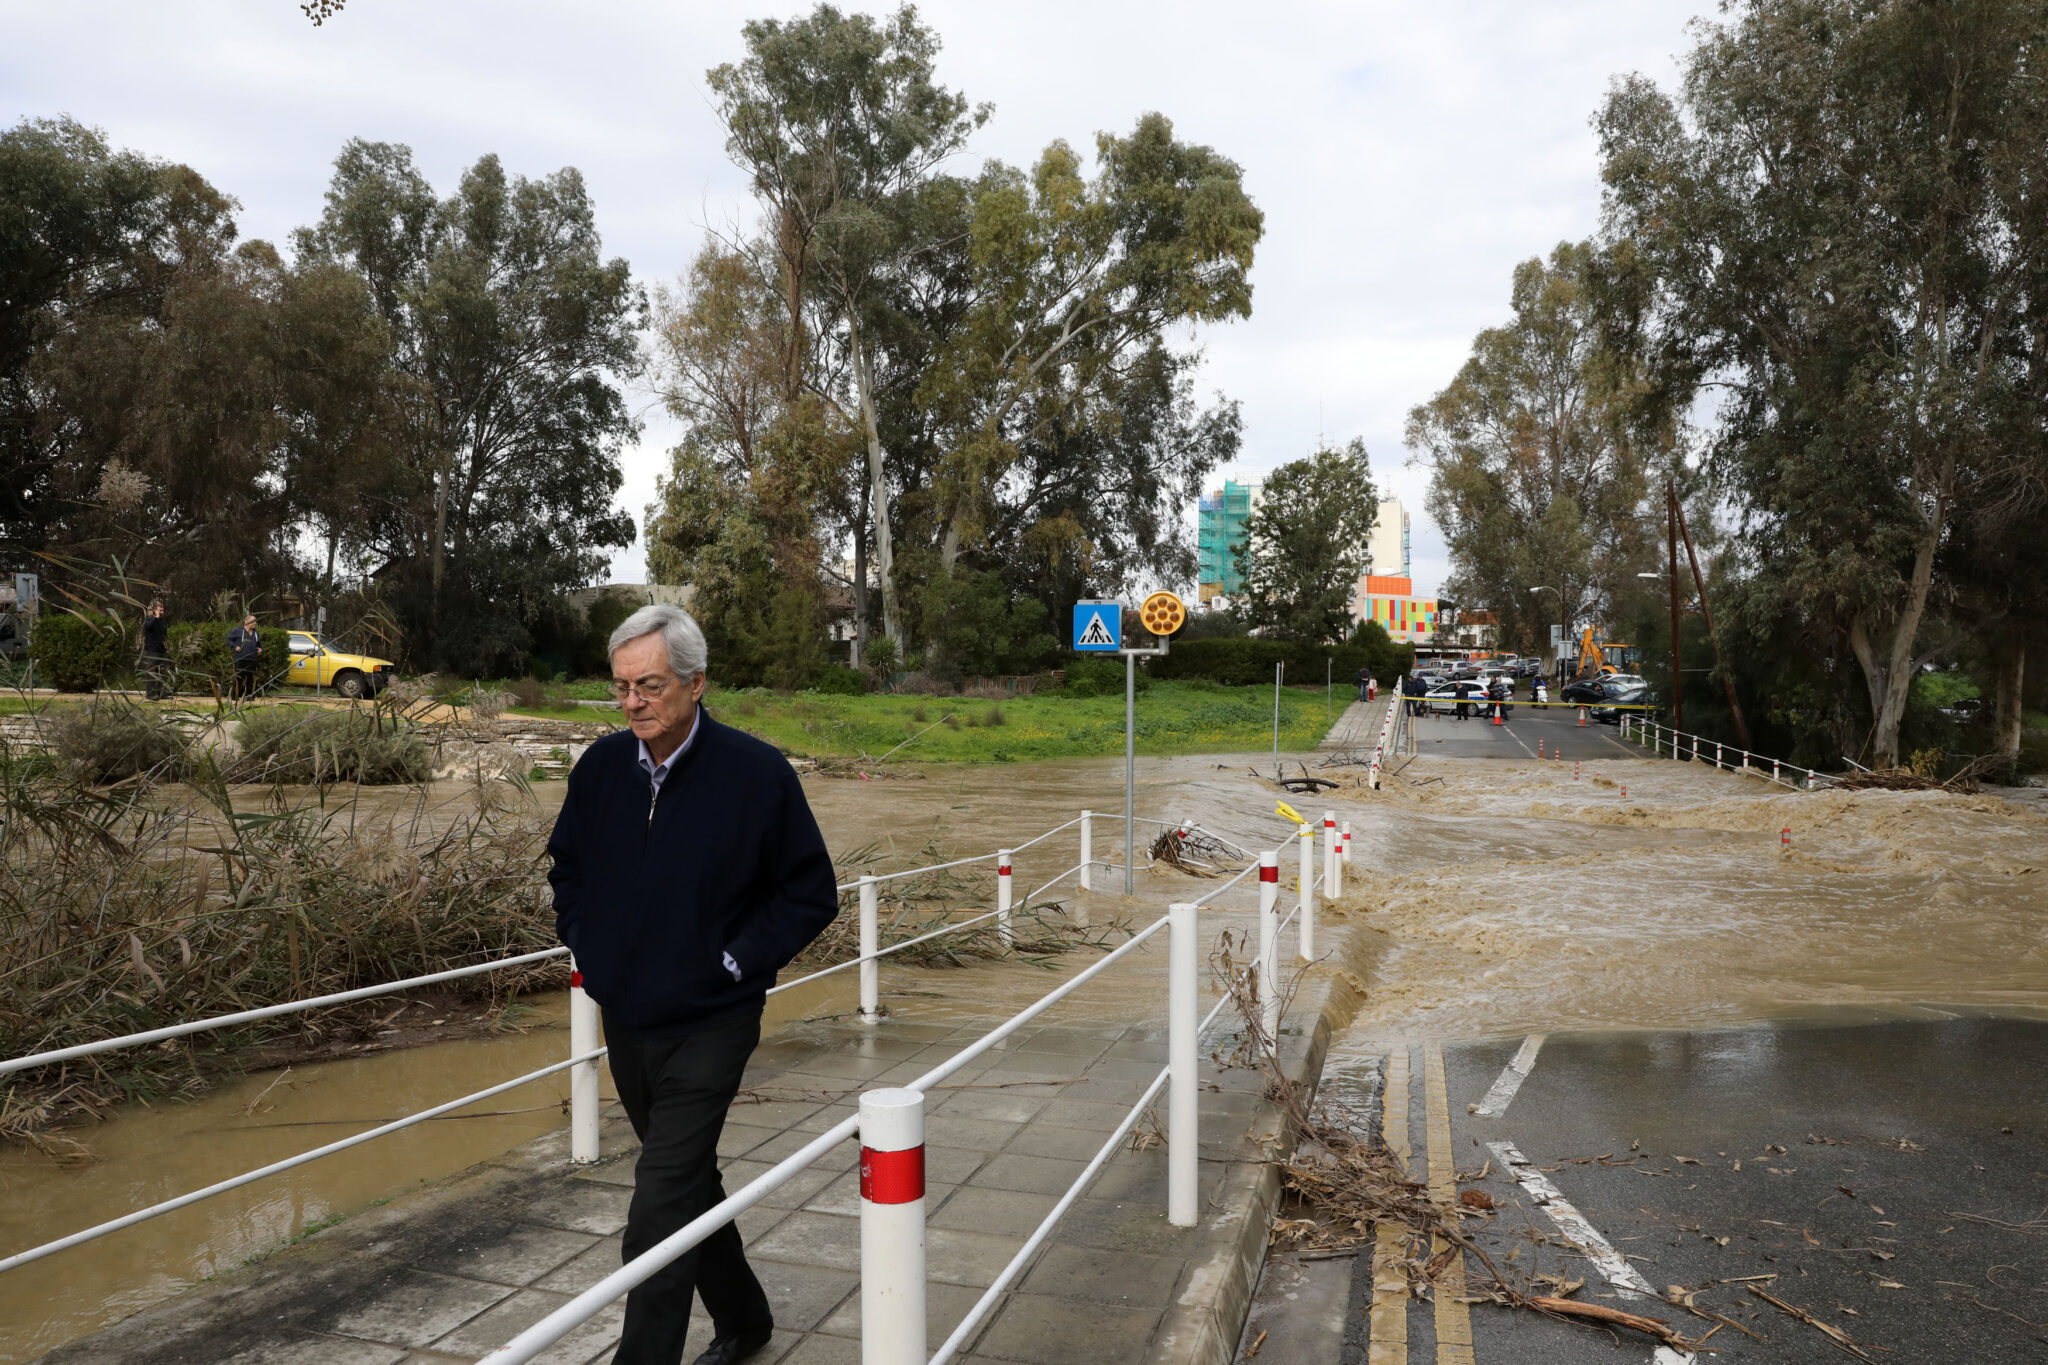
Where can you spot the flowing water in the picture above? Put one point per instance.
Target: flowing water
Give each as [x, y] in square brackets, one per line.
[1489, 899]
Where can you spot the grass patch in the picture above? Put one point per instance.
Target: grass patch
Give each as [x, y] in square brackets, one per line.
[1173, 718]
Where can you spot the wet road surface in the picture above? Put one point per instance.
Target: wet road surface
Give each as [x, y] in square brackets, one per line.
[1891, 1177]
[1524, 732]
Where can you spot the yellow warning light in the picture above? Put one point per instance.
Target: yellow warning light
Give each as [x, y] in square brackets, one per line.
[1163, 613]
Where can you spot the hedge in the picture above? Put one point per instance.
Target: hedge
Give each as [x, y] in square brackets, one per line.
[199, 650]
[80, 652]
[1247, 662]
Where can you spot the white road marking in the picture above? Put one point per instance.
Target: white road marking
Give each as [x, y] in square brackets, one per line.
[1511, 1077]
[1626, 1279]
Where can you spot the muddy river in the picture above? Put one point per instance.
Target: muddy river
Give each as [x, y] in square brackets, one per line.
[1492, 898]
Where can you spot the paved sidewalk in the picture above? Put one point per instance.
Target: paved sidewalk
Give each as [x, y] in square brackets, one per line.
[1358, 727]
[458, 1271]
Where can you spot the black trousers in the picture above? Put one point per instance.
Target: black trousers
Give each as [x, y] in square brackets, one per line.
[245, 678]
[676, 1092]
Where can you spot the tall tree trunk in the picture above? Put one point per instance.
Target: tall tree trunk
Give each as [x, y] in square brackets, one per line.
[860, 581]
[878, 486]
[2012, 675]
[440, 537]
[1889, 676]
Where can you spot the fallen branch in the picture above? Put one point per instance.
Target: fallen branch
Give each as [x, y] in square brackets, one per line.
[1834, 1334]
[1612, 1317]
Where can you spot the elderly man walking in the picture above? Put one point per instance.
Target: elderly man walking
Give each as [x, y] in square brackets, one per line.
[687, 871]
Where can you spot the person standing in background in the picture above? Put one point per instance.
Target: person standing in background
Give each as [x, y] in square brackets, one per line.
[245, 645]
[156, 653]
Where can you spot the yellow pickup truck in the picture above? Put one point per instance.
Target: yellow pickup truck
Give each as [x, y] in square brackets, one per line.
[314, 664]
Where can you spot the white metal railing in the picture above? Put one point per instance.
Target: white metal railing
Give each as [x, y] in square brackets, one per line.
[1656, 737]
[584, 1035]
[890, 1126]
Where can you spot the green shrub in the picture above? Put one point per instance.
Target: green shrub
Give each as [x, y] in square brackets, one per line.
[528, 693]
[279, 745]
[200, 653]
[80, 652]
[841, 681]
[112, 738]
[1101, 677]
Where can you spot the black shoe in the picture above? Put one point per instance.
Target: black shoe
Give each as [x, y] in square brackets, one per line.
[731, 1350]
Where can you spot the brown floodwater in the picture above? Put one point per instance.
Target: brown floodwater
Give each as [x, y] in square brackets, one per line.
[1491, 899]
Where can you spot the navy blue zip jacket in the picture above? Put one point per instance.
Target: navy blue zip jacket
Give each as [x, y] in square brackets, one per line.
[650, 894]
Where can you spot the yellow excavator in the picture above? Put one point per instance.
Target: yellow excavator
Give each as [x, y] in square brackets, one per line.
[1589, 652]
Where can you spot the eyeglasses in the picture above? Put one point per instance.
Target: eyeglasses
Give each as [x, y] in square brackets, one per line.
[649, 691]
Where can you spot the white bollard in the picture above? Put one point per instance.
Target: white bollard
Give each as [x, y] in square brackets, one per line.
[585, 1035]
[1718, 765]
[1305, 906]
[1087, 850]
[870, 944]
[1774, 771]
[1269, 943]
[1330, 890]
[1183, 1135]
[1344, 845]
[1003, 898]
[892, 1262]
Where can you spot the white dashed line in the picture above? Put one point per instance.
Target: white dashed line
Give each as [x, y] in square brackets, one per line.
[1511, 1077]
[1626, 1279]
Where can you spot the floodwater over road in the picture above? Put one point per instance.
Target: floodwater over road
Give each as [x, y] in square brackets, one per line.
[1494, 898]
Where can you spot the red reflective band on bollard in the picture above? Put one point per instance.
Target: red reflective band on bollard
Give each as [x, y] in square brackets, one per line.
[1003, 871]
[575, 980]
[1269, 874]
[892, 1177]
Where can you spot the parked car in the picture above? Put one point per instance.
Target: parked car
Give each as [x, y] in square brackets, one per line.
[1442, 699]
[316, 664]
[1586, 691]
[1619, 690]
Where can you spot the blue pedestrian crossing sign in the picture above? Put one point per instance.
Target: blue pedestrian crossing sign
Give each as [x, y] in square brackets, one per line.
[1098, 626]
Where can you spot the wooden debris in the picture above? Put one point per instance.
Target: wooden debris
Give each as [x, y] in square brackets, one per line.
[1834, 1334]
[1601, 1313]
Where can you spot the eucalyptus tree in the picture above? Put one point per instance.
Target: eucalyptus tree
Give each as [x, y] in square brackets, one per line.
[1304, 545]
[841, 126]
[514, 335]
[1540, 451]
[1841, 207]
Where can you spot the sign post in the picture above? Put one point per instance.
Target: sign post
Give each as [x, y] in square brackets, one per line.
[1098, 628]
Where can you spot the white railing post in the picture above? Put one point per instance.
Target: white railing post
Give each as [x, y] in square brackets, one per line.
[1330, 856]
[1183, 1139]
[1003, 930]
[1774, 771]
[1269, 945]
[585, 1035]
[1305, 906]
[870, 944]
[1087, 850]
[892, 1263]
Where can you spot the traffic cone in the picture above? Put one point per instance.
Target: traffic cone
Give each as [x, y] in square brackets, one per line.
[1496, 715]
[1582, 715]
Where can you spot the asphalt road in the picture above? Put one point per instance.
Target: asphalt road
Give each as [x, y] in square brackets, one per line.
[1525, 731]
[1891, 1178]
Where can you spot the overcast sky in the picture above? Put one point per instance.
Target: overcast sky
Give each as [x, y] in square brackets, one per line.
[1406, 156]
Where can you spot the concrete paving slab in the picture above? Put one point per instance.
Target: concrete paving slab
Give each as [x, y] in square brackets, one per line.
[408, 1307]
[507, 1319]
[318, 1350]
[521, 1256]
[1041, 1330]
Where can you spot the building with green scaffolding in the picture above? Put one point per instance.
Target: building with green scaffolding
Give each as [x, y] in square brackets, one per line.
[1219, 530]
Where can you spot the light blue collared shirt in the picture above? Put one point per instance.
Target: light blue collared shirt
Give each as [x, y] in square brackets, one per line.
[657, 773]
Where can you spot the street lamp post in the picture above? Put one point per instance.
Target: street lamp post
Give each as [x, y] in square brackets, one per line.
[1564, 625]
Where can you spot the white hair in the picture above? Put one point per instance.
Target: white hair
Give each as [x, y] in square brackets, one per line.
[686, 652]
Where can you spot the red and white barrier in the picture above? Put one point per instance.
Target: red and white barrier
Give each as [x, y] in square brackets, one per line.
[1330, 887]
[1269, 944]
[1305, 906]
[1003, 930]
[892, 1252]
[585, 1037]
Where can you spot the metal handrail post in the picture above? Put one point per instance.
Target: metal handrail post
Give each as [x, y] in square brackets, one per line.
[1183, 1172]
[892, 1237]
[1087, 850]
[870, 944]
[1003, 893]
[585, 1101]
[1330, 873]
[1269, 945]
[1306, 905]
